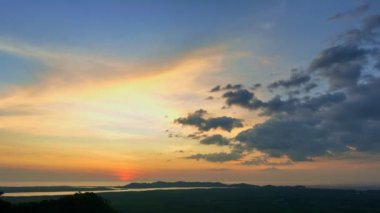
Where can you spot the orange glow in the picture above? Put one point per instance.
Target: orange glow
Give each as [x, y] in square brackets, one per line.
[125, 175]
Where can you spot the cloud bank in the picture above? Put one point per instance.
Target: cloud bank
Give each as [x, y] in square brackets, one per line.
[302, 125]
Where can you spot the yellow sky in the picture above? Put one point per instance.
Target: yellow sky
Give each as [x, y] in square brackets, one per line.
[94, 113]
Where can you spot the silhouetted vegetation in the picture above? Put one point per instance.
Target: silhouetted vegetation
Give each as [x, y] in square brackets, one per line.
[80, 202]
[284, 199]
[4, 206]
[8, 189]
[260, 199]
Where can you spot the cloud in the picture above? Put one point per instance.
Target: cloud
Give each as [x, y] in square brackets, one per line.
[271, 169]
[339, 118]
[371, 23]
[255, 86]
[210, 98]
[302, 136]
[264, 160]
[74, 68]
[215, 89]
[310, 86]
[359, 10]
[224, 122]
[193, 119]
[367, 33]
[322, 124]
[218, 157]
[296, 139]
[218, 170]
[198, 120]
[133, 93]
[196, 136]
[341, 65]
[215, 140]
[277, 104]
[218, 88]
[337, 55]
[326, 124]
[241, 97]
[232, 87]
[295, 80]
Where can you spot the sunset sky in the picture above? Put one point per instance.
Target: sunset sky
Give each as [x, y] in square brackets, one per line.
[266, 92]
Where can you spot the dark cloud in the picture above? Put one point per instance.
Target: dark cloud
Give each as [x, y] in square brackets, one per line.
[242, 97]
[209, 98]
[196, 136]
[295, 80]
[377, 65]
[295, 138]
[371, 23]
[215, 140]
[193, 119]
[255, 86]
[367, 33]
[218, 170]
[277, 104]
[271, 169]
[310, 86]
[227, 87]
[171, 135]
[263, 160]
[363, 103]
[293, 93]
[359, 10]
[341, 117]
[349, 120]
[323, 101]
[215, 89]
[198, 120]
[218, 157]
[224, 122]
[232, 87]
[341, 65]
[337, 55]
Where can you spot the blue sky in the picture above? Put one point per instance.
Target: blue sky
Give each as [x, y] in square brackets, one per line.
[150, 30]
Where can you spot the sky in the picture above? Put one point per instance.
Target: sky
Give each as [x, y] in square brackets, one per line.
[265, 92]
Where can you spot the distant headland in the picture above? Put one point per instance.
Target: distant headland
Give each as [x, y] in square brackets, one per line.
[185, 184]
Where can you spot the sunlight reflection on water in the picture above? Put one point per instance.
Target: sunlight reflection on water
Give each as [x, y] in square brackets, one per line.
[32, 194]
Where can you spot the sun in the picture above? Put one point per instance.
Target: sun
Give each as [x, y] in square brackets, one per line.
[125, 175]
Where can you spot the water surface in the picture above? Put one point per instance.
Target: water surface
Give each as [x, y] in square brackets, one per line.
[32, 194]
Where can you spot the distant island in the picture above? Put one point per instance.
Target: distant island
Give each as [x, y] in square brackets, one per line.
[134, 185]
[185, 184]
[182, 184]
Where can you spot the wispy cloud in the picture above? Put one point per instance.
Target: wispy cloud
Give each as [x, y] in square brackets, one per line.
[83, 94]
[359, 10]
